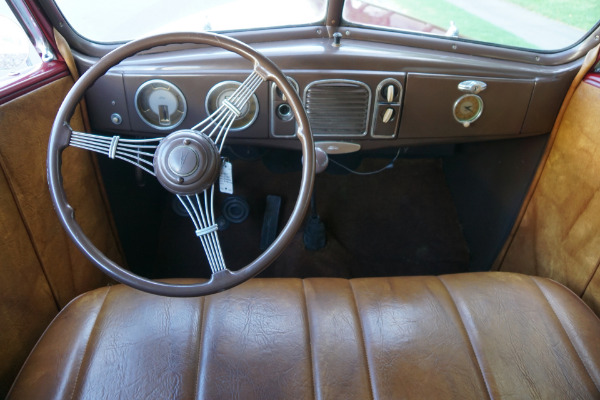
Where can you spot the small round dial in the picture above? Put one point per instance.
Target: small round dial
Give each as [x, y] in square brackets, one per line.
[467, 109]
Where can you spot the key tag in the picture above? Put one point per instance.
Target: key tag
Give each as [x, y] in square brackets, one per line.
[226, 177]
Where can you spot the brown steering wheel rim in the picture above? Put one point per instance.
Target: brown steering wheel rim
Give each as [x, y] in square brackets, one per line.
[60, 136]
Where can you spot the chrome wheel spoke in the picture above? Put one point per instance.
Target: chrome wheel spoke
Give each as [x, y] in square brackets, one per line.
[139, 152]
[200, 209]
[217, 125]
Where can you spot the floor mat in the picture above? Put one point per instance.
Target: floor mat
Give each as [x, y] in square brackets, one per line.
[401, 221]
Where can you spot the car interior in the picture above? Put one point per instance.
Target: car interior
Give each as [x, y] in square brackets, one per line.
[332, 199]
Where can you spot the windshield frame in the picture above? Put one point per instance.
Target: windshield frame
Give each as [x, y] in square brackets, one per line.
[333, 23]
[585, 35]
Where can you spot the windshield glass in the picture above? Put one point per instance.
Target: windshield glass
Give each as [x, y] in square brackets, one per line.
[118, 20]
[531, 24]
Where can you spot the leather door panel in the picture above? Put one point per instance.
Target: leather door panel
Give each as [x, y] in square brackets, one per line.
[40, 269]
[27, 305]
[559, 234]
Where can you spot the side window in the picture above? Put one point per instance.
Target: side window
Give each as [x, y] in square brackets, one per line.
[18, 56]
[532, 24]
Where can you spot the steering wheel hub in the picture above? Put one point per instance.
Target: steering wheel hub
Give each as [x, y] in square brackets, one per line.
[187, 162]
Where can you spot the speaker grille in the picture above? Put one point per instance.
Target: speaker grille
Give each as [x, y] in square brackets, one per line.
[338, 107]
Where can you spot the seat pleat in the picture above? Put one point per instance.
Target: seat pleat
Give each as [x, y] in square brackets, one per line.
[256, 343]
[309, 341]
[52, 369]
[524, 353]
[340, 369]
[413, 344]
[142, 347]
[200, 347]
[571, 314]
[386, 338]
[461, 325]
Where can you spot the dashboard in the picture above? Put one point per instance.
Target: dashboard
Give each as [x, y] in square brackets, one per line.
[371, 95]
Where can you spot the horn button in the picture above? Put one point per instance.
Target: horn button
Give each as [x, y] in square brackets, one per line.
[187, 162]
[183, 161]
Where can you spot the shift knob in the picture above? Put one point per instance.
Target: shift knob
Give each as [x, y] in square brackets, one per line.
[321, 160]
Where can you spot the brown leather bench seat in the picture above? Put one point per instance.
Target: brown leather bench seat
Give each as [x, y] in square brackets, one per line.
[468, 336]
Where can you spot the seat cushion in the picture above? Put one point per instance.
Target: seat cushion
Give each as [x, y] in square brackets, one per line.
[463, 336]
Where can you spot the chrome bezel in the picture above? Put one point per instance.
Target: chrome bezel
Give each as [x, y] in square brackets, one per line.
[369, 104]
[467, 120]
[273, 114]
[219, 86]
[172, 87]
[378, 103]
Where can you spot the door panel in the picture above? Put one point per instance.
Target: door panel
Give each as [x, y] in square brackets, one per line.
[592, 293]
[41, 269]
[559, 234]
[26, 123]
[27, 305]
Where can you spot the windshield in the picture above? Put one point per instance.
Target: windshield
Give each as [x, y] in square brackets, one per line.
[118, 20]
[531, 24]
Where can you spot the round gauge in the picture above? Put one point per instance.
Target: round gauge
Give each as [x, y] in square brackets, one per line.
[160, 104]
[467, 109]
[224, 90]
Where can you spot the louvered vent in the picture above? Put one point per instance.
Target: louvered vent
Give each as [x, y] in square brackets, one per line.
[337, 107]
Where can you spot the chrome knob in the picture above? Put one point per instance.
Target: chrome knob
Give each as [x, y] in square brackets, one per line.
[472, 86]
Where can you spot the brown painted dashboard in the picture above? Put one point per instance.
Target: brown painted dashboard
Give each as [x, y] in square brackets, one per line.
[372, 94]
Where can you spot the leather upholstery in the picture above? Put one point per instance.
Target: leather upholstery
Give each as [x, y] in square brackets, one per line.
[481, 335]
[27, 304]
[557, 234]
[41, 270]
[25, 126]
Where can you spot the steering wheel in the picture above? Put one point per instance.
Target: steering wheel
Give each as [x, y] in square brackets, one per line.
[186, 162]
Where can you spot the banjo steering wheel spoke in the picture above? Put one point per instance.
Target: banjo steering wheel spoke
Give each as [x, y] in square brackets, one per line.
[201, 211]
[139, 152]
[216, 126]
[183, 160]
[186, 162]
